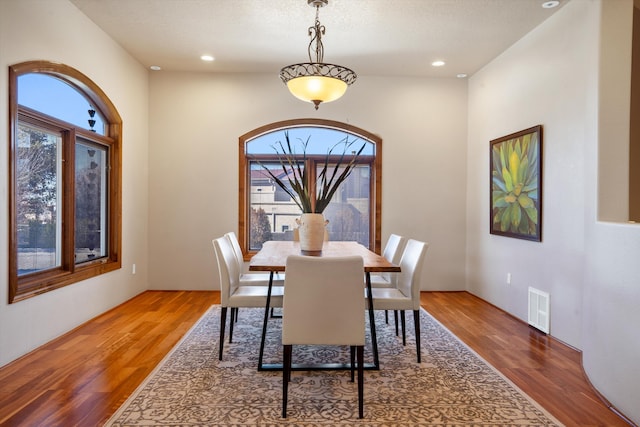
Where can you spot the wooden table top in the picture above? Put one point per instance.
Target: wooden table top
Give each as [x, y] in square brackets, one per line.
[273, 256]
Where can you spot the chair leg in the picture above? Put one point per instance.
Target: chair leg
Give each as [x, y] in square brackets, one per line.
[274, 315]
[223, 321]
[404, 331]
[237, 310]
[234, 315]
[386, 317]
[416, 325]
[286, 376]
[395, 317]
[360, 381]
[352, 351]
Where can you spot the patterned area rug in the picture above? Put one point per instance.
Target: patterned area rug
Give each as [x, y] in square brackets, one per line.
[452, 386]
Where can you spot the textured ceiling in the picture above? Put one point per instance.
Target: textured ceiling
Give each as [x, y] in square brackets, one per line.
[373, 37]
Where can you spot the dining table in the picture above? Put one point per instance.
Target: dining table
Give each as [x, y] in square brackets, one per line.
[272, 258]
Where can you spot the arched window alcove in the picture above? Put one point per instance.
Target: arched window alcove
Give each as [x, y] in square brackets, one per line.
[267, 213]
[65, 179]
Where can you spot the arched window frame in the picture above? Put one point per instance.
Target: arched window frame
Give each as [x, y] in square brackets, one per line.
[244, 178]
[26, 286]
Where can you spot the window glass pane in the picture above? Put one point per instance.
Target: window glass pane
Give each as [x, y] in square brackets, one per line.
[38, 204]
[320, 141]
[58, 99]
[65, 193]
[272, 211]
[348, 212]
[91, 201]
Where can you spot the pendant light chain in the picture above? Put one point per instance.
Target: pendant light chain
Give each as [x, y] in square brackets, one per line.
[316, 32]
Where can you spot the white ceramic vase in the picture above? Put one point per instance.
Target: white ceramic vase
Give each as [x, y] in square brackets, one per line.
[311, 227]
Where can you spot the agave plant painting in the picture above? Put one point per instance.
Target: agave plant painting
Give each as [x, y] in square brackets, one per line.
[516, 184]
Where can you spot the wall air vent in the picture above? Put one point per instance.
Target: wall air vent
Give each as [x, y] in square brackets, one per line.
[539, 309]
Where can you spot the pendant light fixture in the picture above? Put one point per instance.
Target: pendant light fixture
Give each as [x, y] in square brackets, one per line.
[316, 81]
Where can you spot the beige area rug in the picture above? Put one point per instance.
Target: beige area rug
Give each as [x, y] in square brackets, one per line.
[452, 386]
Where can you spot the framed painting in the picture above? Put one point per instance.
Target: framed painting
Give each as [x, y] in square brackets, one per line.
[516, 185]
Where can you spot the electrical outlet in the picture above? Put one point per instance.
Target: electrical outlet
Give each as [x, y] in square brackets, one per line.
[133, 269]
[508, 278]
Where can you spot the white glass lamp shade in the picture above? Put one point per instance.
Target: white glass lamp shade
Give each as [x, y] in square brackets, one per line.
[317, 89]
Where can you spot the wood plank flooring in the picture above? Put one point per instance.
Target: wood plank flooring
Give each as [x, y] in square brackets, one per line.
[546, 369]
[81, 378]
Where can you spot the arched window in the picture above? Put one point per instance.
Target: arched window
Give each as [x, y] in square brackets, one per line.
[65, 191]
[268, 213]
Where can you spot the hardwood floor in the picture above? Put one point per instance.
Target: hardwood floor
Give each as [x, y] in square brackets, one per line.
[546, 369]
[81, 378]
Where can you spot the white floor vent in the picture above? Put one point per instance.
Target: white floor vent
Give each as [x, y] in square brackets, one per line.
[539, 309]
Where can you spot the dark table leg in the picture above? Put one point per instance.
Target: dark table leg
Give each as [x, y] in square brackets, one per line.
[264, 323]
[372, 324]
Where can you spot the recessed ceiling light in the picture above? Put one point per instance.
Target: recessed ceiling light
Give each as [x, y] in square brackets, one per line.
[550, 4]
[437, 63]
[155, 68]
[461, 75]
[207, 58]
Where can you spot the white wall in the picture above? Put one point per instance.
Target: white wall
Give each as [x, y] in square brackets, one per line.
[590, 269]
[196, 120]
[612, 274]
[613, 116]
[55, 30]
[180, 174]
[543, 79]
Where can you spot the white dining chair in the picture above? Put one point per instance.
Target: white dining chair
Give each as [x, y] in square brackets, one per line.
[392, 252]
[233, 293]
[312, 284]
[253, 278]
[405, 295]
